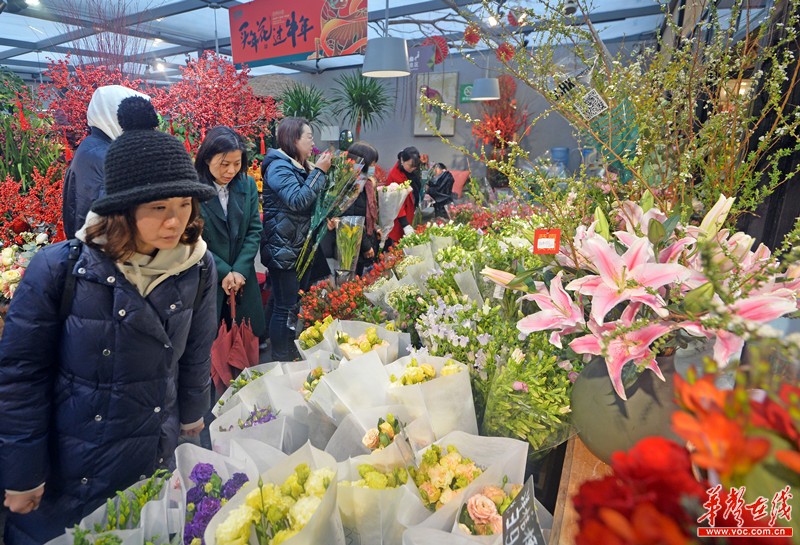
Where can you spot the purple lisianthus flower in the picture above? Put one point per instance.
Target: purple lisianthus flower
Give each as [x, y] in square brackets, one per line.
[206, 509]
[195, 494]
[520, 386]
[191, 531]
[233, 485]
[201, 473]
[315, 150]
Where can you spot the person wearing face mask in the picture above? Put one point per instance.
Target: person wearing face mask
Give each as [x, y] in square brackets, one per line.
[365, 206]
[232, 224]
[291, 188]
[406, 168]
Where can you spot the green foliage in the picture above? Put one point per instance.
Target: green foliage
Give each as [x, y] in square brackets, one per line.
[10, 86]
[22, 151]
[363, 101]
[305, 101]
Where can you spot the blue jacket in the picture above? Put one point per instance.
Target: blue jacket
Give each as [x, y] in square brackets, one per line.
[289, 196]
[91, 404]
[84, 181]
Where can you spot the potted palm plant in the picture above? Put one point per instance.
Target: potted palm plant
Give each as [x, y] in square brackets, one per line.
[363, 101]
[304, 101]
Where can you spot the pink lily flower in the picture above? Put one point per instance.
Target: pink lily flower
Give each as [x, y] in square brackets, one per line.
[626, 277]
[631, 346]
[635, 218]
[559, 311]
[501, 278]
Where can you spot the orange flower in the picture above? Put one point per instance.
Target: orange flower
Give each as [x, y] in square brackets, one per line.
[701, 396]
[720, 443]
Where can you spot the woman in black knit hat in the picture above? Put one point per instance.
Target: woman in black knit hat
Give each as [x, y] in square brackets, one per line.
[96, 385]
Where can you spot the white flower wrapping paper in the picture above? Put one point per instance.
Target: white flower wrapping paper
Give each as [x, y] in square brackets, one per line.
[438, 243]
[346, 441]
[388, 352]
[257, 456]
[498, 456]
[419, 273]
[353, 386]
[277, 433]
[389, 205]
[323, 527]
[324, 345]
[422, 250]
[226, 403]
[373, 514]
[445, 400]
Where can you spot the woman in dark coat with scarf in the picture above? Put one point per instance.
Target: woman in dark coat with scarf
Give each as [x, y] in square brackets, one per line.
[291, 188]
[94, 390]
[406, 168]
[232, 224]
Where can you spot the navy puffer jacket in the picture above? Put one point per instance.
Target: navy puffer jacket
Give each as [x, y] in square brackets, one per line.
[92, 404]
[84, 181]
[288, 198]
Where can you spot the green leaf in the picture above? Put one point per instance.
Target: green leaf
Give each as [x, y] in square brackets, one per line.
[655, 231]
[699, 299]
[671, 223]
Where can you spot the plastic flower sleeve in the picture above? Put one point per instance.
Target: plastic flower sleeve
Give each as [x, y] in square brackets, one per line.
[468, 286]
[419, 535]
[373, 514]
[389, 205]
[351, 387]
[422, 250]
[497, 456]
[324, 526]
[275, 433]
[419, 272]
[257, 456]
[347, 441]
[437, 243]
[445, 400]
[228, 399]
[387, 351]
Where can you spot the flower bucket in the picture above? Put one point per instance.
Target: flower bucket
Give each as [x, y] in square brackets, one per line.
[606, 423]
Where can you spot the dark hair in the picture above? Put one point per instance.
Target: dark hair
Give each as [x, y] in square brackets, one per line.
[288, 133]
[218, 140]
[409, 153]
[363, 150]
[119, 230]
[440, 165]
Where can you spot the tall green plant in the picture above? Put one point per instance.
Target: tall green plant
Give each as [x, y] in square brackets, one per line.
[363, 101]
[305, 101]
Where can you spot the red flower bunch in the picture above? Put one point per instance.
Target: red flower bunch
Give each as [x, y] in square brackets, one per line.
[210, 93]
[37, 209]
[740, 439]
[501, 119]
[440, 47]
[505, 52]
[380, 174]
[472, 35]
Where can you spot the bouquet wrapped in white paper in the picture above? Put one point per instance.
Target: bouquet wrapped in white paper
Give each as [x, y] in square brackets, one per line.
[353, 386]
[260, 422]
[373, 489]
[312, 339]
[359, 433]
[294, 504]
[228, 399]
[352, 339]
[437, 388]
[390, 201]
[478, 462]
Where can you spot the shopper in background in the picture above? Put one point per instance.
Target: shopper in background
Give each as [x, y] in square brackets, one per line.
[365, 206]
[291, 188]
[406, 168]
[440, 189]
[232, 224]
[96, 388]
[84, 180]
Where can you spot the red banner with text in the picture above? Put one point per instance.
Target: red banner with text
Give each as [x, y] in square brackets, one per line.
[276, 31]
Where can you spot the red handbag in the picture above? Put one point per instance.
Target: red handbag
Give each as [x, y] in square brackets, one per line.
[233, 350]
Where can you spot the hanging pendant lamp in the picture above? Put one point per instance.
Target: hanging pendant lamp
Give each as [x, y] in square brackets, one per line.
[485, 89]
[386, 57]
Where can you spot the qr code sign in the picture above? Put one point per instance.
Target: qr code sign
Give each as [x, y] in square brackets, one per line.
[592, 105]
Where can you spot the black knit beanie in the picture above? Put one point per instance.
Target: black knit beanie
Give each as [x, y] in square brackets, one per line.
[145, 165]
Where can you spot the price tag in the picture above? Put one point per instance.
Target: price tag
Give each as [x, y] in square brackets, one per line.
[546, 241]
[520, 522]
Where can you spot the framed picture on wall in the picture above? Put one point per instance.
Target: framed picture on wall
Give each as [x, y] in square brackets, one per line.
[438, 86]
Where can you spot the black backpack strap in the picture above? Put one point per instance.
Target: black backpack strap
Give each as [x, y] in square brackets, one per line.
[202, 282]
[69, 282]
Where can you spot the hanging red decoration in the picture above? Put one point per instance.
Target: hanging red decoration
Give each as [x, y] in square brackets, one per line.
[505, 52]
[440, 46]
[263, 145]
[472, 35]
[171, 128]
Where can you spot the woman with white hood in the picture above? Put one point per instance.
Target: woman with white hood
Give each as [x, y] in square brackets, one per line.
[84, 182]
